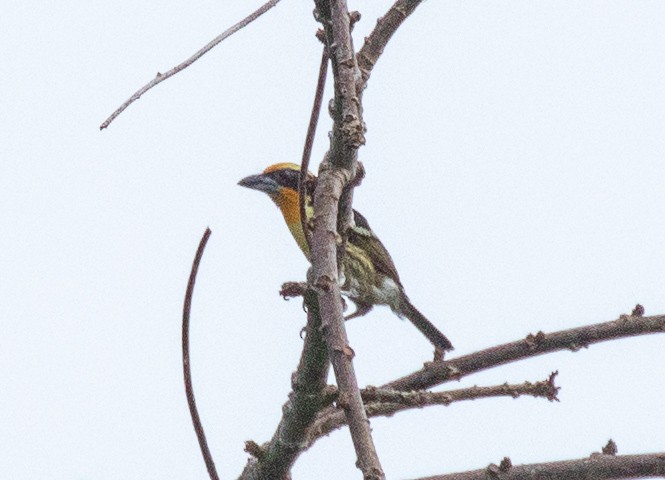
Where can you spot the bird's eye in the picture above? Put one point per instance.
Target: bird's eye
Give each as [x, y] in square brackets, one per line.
[287, 178]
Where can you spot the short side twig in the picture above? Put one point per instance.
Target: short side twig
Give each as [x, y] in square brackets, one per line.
[189, 389]
[212, 44]
[598, 466]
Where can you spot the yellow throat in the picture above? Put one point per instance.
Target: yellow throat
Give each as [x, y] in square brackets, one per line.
[287, 201]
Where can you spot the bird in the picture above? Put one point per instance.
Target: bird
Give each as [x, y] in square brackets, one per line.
[368, 275]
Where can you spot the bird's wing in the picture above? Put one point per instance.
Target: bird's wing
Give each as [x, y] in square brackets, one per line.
[364, 238]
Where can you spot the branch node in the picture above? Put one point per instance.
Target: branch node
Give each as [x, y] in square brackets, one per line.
[533, 341]
[550, 391]
[577, 346]
[343, 400]
[494, 471]
[638, 311]
[254, 449]
[324, 283]
[505, 465]
[610, 448]
[348, 352]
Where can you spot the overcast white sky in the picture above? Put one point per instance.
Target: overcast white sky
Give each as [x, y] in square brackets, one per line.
[514, 169]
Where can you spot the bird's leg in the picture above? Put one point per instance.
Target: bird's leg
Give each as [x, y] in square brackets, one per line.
[361, 309]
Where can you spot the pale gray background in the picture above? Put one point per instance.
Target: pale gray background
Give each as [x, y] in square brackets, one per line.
[514, 169]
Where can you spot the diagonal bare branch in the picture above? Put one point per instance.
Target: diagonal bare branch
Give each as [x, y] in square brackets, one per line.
[376, 41]
[212, 44]
[574, 339]
[332, 216]
[598, 467]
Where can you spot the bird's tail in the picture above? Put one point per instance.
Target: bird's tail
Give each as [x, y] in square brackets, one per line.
[427, 328]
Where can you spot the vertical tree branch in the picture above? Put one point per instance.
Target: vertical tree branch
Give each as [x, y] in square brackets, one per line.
[348, 132]
[325, 280]
[335, 172]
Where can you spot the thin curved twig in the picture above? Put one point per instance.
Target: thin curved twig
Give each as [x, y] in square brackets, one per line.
[212, 44]
[309, 141]
[189, 389]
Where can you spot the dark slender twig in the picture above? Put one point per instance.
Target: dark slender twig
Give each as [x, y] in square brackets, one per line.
[597, 466]
[212, 44]
[309, 141]
[189, 390]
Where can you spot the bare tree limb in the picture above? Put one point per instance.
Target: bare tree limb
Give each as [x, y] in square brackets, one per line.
[386, 26]
[189, 389]
[348, 133]
[275, 458]
[325, 281]
[212, 44]
[598, 467]
[435, 373]
[335, 172]
[348, 128]
[384, 403]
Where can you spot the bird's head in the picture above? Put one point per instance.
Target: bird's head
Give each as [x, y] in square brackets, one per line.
[280, 183]
[277, 178]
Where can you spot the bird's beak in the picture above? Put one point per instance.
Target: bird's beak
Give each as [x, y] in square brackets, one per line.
[262, 183]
